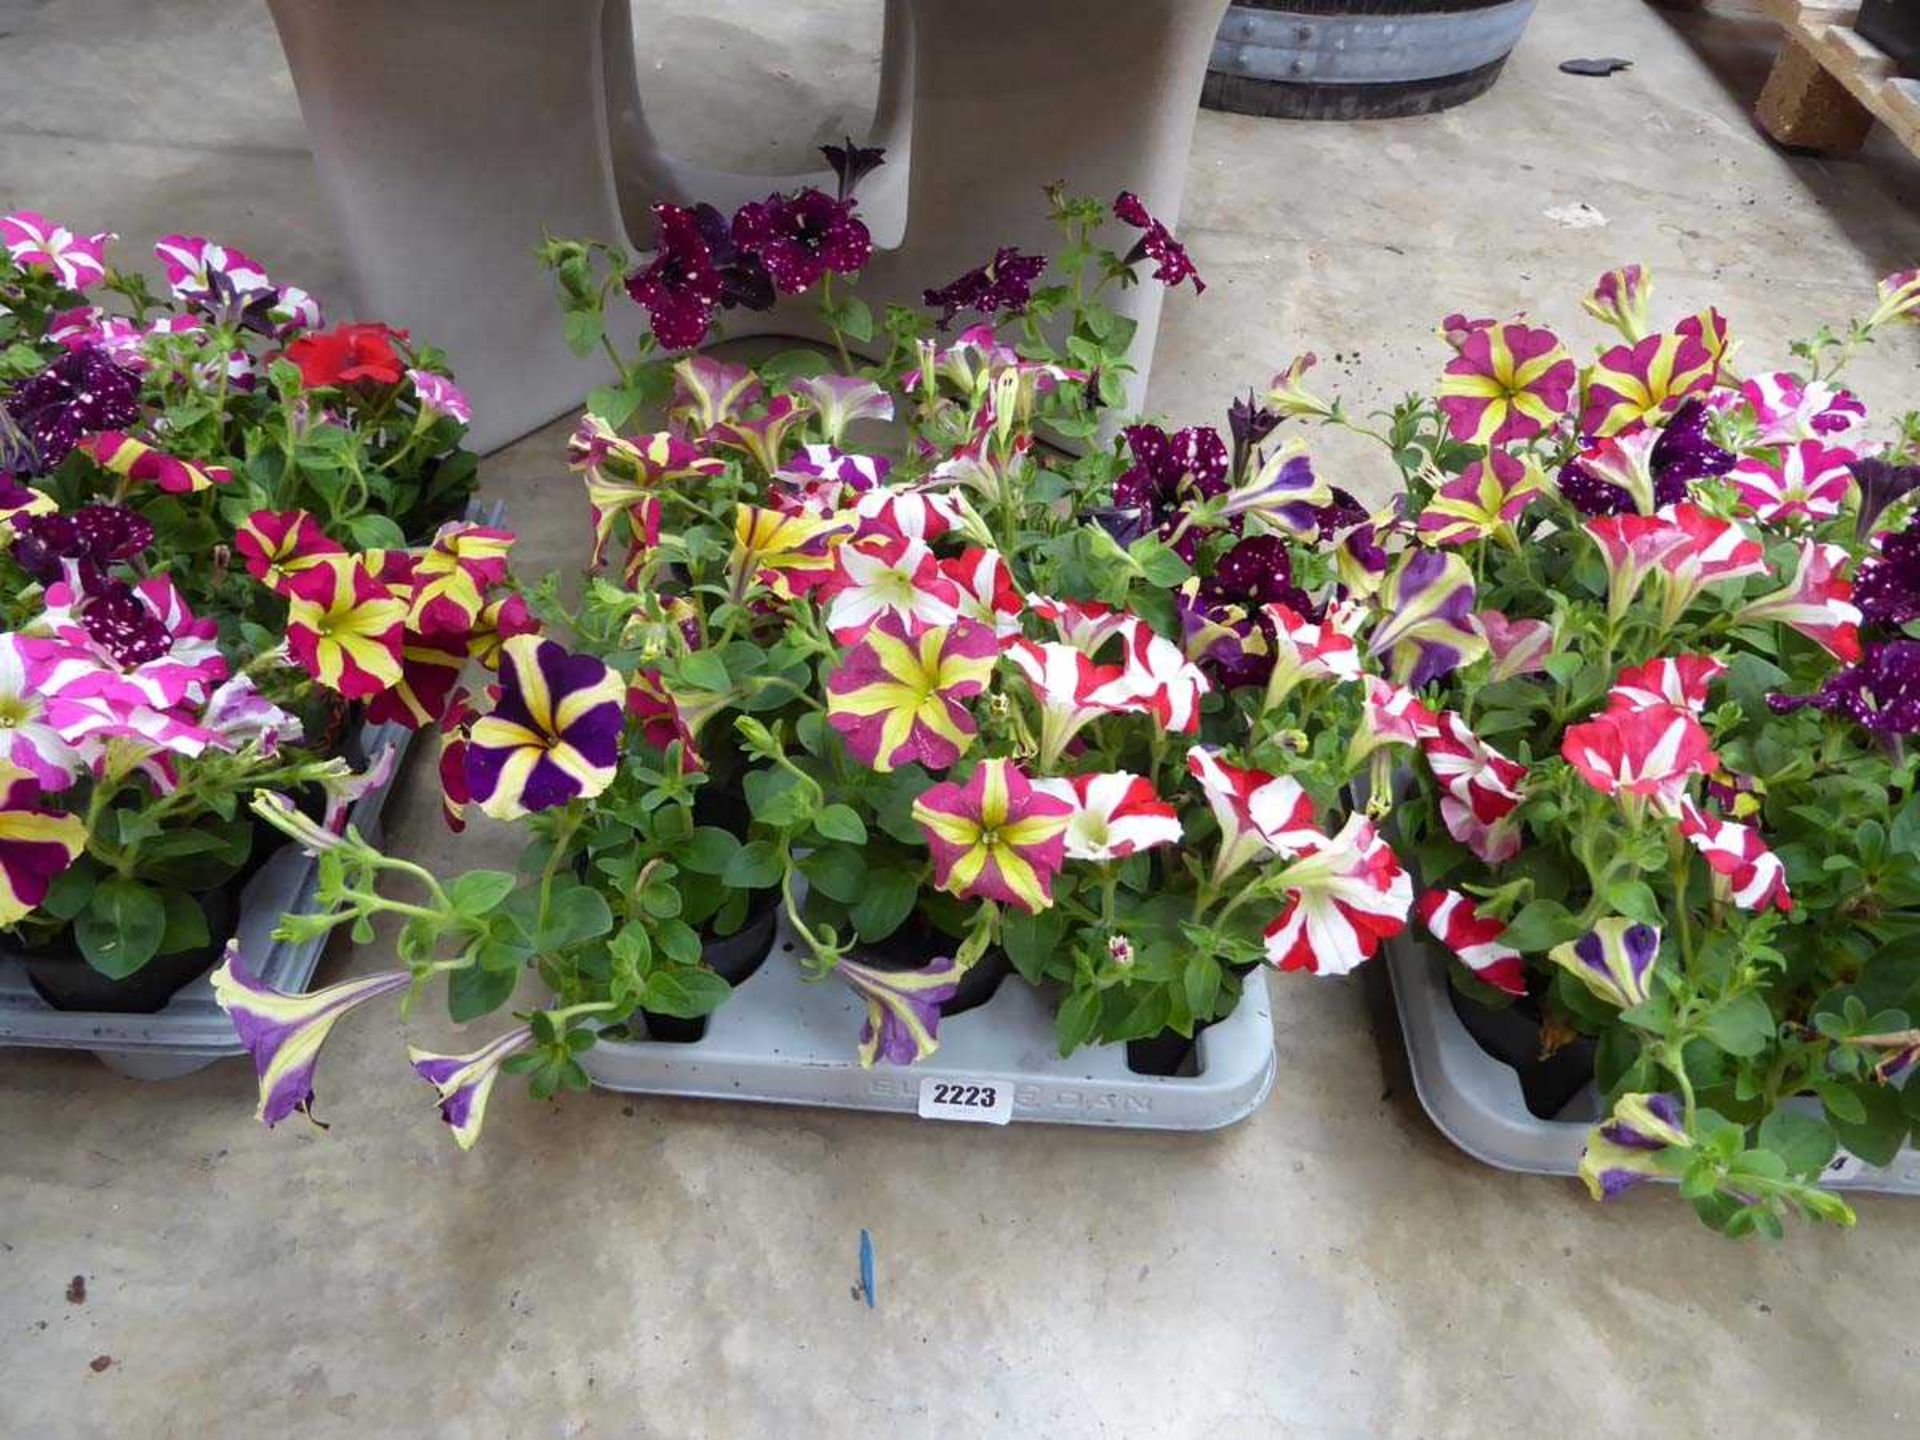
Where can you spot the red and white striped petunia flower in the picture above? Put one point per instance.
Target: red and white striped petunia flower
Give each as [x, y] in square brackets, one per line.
[1474, 938]
[1259, 814]
[1084, 624]
[1714, 552]
[1817, 601]
[984, 591]
[1159, 674]
[1680, 681]
[1344, 897]
[1114, 815]
[1072, 691]
[1308, 650]
[1746, 871]
[897, 512]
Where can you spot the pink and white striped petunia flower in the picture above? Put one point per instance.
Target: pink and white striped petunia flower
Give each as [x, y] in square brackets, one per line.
[147, 646]
[1679, 681]
[1114, 815]
[1390, 714]
[190, 263]
[1808, 482]
[1159, 673]
[1071, 689]
[1259, 814]
[1646, 754]
[439, 396]
[1483, 790]
[1745, 870]
[1344, 896]
[1817, 601]
[1789, 410]
[1713, 552]
[1474, 938]
[879, 577]
[1518, 647]
[36, 243]
[1632, 548]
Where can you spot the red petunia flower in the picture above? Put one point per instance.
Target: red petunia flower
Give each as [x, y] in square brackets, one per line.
[347, 355]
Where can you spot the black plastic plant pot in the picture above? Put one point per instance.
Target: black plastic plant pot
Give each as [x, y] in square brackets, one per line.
[1511, 1035]
[1168, 1053]
[1893, 25]
[61, 976]
[734, 958]
[918, 943]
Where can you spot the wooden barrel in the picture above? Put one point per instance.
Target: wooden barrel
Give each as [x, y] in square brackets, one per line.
[1359, 59]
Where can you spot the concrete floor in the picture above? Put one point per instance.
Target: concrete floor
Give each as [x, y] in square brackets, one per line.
[610, 1267]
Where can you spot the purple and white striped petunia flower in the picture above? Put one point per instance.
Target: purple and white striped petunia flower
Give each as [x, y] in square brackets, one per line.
[283, 1033]
[463, 1082]
[903, 1007]
[554, 734]
[290, 820]
[1626, 1149]
[839, 400]
[1614, 960]
[439, 396]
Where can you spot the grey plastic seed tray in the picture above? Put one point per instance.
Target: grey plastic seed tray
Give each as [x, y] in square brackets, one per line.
[1475, 1099]
[192, 1031]
[784, 1040]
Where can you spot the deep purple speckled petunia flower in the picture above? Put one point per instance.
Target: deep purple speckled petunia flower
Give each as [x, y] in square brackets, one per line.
[801, 237]
[120, 623]
[696, 270]
[1225, 615]
[1168, 473]
[1682, 454]
[95, 536]
[1002, 286]
[1156, 243]
[1880, 693]
[1887, 585]
[78, 394]
[852, 163]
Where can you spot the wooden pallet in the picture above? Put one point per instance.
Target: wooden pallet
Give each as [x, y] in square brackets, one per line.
[1829, 86]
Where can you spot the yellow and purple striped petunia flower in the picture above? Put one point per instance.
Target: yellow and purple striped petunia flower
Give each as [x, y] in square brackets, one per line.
[1484, 499]
[1628, 1147]
[283, 1033]
[1614, 960]
[463, 1082]
[792, 553]
[624, 475]
[997, 837]
[1428, 631]
[344, 627]
[554, 734]
[452, 575]
[1509, 382]
[36, 845]
[278, 544]
[903, 1007]
[897, 700]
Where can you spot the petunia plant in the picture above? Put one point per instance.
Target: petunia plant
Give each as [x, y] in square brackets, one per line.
[225, 535]
[857, 647]
[1651, 616]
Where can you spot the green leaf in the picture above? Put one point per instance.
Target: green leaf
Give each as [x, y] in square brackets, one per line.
[755, 866]
[1075, 1019]
[478, 891]
[1159, 562]
[186, 923]
[1031, 941]
[685, 992]
[840, 822]
[1878, 1138]
[1805, 1142]
[573, 915]
[678, 941]
[705, 670]
[1203, 985]
[885, 904]
[67, 896]
[1541, 925]
[707, 851]
[583, 330]
[1741, 1026]
[371, 531]
[837, 872]
[614, 404]
[855, 317]
[478, 991]
[122, 928]
[1842, 1104]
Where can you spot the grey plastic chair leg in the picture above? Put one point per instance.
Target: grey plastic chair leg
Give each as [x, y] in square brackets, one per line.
[450, 133]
